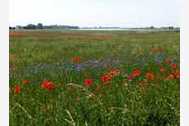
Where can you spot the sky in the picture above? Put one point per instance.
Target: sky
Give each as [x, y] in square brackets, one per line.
[88, 13]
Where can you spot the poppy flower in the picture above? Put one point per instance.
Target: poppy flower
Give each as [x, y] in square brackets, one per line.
[88, 82]
[174, 65]
[162, 69]
[150, 76]
[25, 81]
[76, 59]
[170, 77]
[17, 89]
[136, 73]
[114, 72]
[177, 74]
[105, 78]
[48, 85]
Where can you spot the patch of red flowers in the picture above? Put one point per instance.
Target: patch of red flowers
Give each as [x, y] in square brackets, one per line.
[109, 75]
[105, 78]
[17, 89]
[136, 73]
[177, 74]
[114, 72]
[25, 81]
[170, 77]
[48, 85]
[173, 75]
[88, 82]
[150, 76]
[76, 59]
[174, 65]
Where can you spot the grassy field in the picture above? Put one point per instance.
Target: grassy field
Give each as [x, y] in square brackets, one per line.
[94, 78]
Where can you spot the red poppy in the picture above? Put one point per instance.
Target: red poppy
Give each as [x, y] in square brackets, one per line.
[76, 59]
[88, 82]
[150, 76]
[176, 74]
[114, 72]
[170, 77]
[162, 69]
[47, 85]
[25, 81]
[105, 78]
[17, 89]
[174, 65]
[136, 73]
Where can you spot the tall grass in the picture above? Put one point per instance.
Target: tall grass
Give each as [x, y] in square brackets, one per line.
[39, 56]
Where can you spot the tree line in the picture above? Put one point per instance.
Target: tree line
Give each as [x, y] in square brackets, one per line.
[41, 26]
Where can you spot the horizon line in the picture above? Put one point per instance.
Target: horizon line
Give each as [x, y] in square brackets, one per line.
[98, 26]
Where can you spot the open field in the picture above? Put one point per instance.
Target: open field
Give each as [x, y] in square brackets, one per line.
[94, 78]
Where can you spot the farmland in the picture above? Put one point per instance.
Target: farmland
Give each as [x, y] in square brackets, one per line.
[94, 78]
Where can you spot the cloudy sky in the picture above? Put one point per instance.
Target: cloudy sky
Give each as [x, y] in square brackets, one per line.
[122, 13]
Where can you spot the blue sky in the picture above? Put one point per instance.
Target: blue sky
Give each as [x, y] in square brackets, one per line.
[122, 13]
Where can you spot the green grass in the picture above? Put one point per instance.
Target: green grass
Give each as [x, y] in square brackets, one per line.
[38, 56]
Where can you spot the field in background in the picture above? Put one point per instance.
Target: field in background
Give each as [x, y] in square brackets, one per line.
[94, 78]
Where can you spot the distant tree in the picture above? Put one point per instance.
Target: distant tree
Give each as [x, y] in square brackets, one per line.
[152, 27]
[40, 26]
[30, 26]
[170, 27]
[11, 28]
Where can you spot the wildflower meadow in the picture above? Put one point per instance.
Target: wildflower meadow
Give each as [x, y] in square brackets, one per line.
[94, 78]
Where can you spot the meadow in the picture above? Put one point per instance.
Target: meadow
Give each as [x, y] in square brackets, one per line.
[94, 78]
